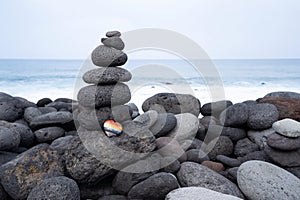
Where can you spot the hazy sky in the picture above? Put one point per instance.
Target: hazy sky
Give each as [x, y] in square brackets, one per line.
[224, 28]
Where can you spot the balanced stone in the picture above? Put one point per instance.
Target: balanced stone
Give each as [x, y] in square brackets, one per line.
[106, 75]
[114, 42]
[262, 180]
[281, 142]
[173, 103]
[104, 95]
[113, 34]
[287, 127]
[104, 56]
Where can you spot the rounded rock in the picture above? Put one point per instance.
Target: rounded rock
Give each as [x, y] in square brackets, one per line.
[114, 42]
[48, 134]
[164, 124]
[9, 111]
[287, 127]
[8, 139]
[281, 142]
[106, 75]
[262, 116]
[104, 56]
[57, 188]
[259, 180]
[244, 147]
[113, 34]
[43, 102]
[30, 113]
[104, 95]
[235, 115]
[215, 108]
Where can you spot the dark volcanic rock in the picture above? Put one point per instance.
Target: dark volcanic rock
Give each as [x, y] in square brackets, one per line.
[113, 34]
[165, 123]
[3, 194]
[114, 42]
[262, 116]
[124, 181]
[235, 115]
[172, 103]
[293, 95]
[26, 135]
[104, 95]
[94, 119]
[234, 134]
[104, 56]
[256, 155]
[113, 197]
[59, 188]
[9, 111]
[48, 134]
[101, 189]
[196, 155]
[222, 146]
[81, 165]
[244, 147]
[207, 121]
[43, 102]
[170, 165]
[193, 174]
[30, 113]
[8, 139]
[60, 106]
[215, 108]
[231, 162]
[107, 75]
[284, 158]
[260, 137]
[154, 187]
[6, 157]
[22, 174]
[287, 107]
[281, 142]
[60, 119]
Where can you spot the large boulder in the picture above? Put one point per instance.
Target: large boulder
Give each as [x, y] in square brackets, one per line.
[262, 180]
[29, 169]
[56, 188]
[193, 174]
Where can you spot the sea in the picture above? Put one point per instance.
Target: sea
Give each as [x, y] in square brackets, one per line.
[235, 80]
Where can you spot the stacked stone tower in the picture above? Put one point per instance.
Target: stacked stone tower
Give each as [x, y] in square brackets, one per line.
[107, 93]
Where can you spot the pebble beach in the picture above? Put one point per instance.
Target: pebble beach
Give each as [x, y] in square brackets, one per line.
[171, 146]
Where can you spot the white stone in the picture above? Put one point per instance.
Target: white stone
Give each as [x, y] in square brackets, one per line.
[260, 180]
[198, 193]
[287, 127]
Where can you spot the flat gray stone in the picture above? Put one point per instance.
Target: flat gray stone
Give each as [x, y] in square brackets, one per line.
[262, 180]
[106, 75]
[193, 174]
[198, 193]
[287, 127]
[51, 119]
[281, 142]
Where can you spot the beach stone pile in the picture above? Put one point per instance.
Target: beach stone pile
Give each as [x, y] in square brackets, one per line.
[176, 149]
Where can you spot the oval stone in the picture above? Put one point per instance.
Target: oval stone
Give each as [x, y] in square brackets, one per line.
[104, 95]
[104, 56]
[106, 75]
[262, 180]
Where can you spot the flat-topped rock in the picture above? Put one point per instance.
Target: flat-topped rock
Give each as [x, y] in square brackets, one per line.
[281, 142]
[113, 34]
[287, 127]
[104, 95]
[106, 75]
[104, 56]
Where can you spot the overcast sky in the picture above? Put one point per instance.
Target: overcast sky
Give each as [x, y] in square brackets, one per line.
[67, 29]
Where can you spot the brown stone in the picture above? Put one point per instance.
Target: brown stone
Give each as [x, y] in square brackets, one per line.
[218, 167]
[287, 107]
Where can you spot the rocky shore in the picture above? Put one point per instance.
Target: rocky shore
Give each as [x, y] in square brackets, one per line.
[102, 147]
